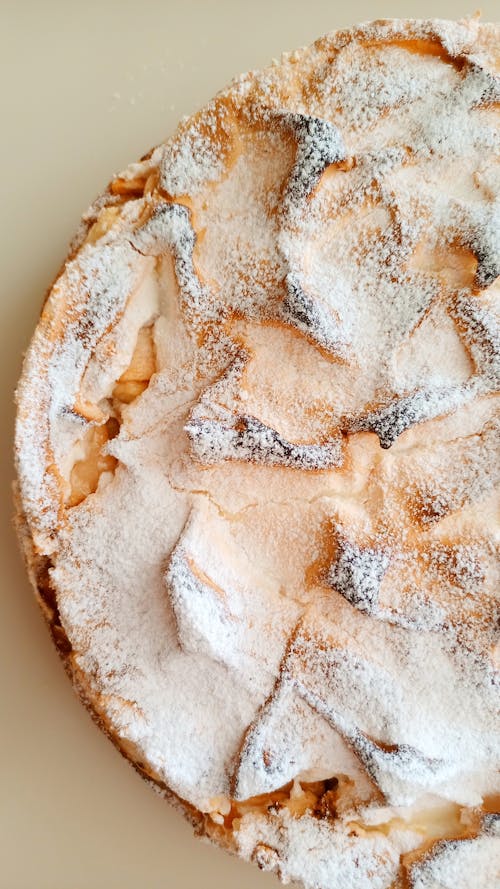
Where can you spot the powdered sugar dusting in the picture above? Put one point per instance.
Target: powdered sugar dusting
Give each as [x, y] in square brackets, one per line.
[335, 858]
[289, 573]
[460, 865]
[197, 156]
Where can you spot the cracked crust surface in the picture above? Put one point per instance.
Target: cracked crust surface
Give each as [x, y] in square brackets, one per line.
[257, 450]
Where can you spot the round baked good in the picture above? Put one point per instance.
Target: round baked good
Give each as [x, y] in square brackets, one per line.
[257, 452]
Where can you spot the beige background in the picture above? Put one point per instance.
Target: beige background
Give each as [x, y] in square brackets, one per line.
[85, 88]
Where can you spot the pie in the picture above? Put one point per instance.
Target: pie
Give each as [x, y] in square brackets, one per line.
[258, 461]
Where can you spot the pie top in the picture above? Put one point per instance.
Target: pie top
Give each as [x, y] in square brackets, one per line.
[257, 451]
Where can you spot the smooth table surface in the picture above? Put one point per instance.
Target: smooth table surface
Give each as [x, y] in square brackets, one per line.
[85, 89]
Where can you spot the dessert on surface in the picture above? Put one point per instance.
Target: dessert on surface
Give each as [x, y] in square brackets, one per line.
[258, 451]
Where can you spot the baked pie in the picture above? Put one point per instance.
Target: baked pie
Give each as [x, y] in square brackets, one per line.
[258, 461]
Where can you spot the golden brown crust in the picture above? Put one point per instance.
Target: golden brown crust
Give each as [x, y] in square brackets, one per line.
[186, 279]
